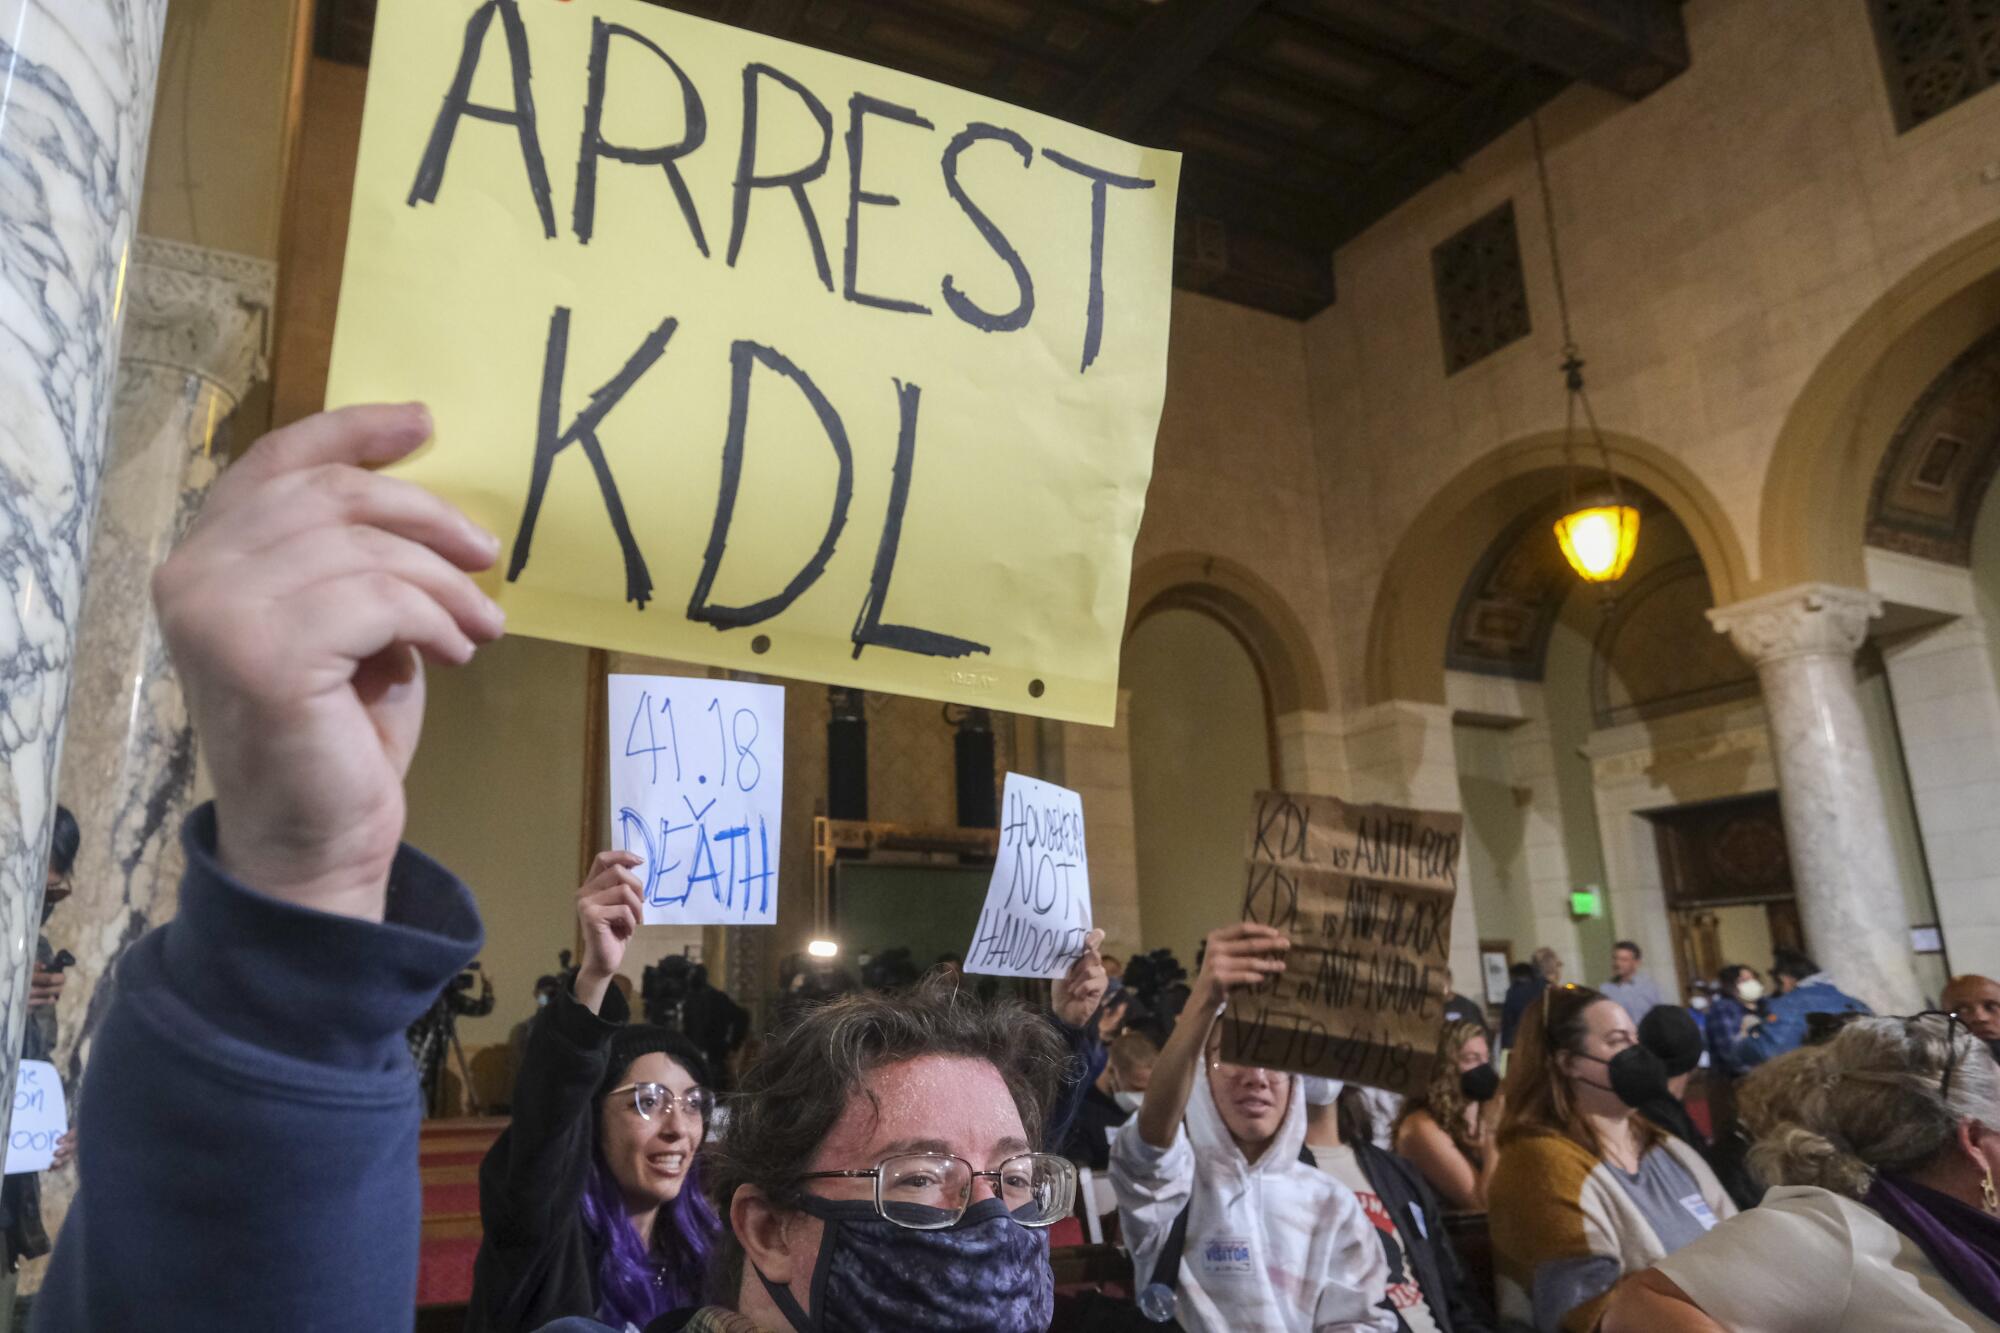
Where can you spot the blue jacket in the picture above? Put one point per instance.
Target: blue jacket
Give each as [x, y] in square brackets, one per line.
[1784, 1025]
[248, 1125]
[1722, 1033]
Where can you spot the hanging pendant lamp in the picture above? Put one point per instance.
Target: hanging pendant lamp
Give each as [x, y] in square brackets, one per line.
[1599, 528]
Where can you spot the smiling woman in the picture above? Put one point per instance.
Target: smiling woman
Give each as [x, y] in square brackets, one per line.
[591, 1199]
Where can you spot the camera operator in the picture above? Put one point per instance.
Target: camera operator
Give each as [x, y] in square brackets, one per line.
[437, 1030]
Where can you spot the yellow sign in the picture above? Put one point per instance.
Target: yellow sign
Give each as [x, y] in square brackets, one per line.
[762, 357]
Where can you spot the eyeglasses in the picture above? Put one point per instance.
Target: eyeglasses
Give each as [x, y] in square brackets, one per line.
[1951, 1020]
[931, 1191]
[651, 1099]
[1548, 1003]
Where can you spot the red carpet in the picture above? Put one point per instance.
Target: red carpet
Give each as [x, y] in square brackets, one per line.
[448, 1155]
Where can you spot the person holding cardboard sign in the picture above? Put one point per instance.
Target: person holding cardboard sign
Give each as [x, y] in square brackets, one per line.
[1214, 1201]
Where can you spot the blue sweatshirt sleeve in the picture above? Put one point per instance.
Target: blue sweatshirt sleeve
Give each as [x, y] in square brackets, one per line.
[247, 1144]
[1087, 1057]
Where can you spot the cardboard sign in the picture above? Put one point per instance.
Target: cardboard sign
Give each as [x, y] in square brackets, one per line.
[1365, 892]
[697, 789]
[40, 1118]
[762, 357]
[1037, 909]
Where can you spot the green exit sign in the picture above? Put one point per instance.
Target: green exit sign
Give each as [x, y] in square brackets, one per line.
[1586, 903]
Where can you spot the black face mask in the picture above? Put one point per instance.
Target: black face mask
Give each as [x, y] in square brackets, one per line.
[1637, 1076]
[1480, 1083]
[987, 1274]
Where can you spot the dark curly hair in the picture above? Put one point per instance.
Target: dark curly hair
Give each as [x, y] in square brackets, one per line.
[799, 1085]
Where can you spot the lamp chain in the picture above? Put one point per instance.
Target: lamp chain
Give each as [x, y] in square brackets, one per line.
[1572, 362]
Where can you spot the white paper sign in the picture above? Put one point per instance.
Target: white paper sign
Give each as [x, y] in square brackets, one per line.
[697, 785]
[1038, 905]
[40, 1118]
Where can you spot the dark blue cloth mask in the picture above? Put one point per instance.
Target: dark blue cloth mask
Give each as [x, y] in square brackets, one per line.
[987, 1274]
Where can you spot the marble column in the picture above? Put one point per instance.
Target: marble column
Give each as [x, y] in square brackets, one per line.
[1802, 641]
[76, 101]
[194, 339]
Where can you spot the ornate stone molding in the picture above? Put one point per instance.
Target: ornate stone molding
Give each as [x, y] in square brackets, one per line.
[1810, 620]
[198, 311]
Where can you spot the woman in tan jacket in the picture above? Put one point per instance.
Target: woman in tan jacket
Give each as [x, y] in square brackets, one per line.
[1586, 1190]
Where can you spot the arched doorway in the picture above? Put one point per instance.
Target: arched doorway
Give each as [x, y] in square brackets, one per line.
[1201, 748]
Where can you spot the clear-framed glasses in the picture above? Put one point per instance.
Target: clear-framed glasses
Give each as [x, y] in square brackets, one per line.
[927, 1191]
[651, 1099]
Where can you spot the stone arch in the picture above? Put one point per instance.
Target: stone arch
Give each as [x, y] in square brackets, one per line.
[1250, 608]
[1821, 483]
[1425, 576]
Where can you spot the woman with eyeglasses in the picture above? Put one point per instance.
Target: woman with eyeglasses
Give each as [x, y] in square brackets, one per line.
[591, 1199]
[1882, 1146]
[1587, 1190]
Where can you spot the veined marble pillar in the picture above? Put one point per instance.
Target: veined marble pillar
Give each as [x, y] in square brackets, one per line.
[195, 325]
[1802, 642]
[76, 101]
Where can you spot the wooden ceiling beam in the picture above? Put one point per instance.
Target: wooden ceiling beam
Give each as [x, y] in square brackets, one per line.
[1307, 218]
[1162, 53]
[1276, 81]
[1358, 46]
[1628, 47]
[778, 18]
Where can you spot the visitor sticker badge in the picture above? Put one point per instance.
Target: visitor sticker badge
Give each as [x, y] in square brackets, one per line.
[1226, 1256]
[1699, 1210]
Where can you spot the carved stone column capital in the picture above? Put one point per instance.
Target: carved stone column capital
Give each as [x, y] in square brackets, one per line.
[200, 312]
[1812, 619]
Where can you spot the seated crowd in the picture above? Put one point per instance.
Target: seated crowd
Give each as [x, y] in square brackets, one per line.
[898, 1158]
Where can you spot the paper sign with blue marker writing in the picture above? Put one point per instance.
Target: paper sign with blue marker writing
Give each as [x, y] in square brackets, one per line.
[1037, 912]
[697, 786]
[40, 1118]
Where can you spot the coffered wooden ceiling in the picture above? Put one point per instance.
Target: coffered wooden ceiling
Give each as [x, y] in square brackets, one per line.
[1302, 121]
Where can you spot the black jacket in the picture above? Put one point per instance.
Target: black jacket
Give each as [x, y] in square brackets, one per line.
[1432, 1257]
[538, 1262]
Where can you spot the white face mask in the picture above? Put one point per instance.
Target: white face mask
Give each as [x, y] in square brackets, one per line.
[541, 1001]
[1128, 1101]
[1698, 1003]
[1322, 1091]
[1750, 991]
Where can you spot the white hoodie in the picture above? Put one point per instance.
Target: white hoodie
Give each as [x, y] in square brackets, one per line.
[1274, 1246]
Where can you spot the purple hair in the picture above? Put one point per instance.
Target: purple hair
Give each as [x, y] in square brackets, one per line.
[635, 1287]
